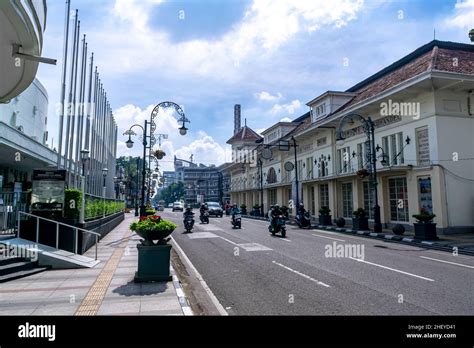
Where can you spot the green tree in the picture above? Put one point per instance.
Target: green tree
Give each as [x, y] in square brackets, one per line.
[172, 193]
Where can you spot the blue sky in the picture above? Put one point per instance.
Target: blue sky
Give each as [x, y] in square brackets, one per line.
[272, 57]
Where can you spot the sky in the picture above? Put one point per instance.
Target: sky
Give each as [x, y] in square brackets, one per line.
[272, 57]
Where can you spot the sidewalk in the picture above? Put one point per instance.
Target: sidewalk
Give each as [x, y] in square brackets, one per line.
[464, 242]
[107, 289]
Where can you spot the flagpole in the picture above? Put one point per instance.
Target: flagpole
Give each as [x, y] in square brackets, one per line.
[71, 78]
[63, 81]
[73, 117]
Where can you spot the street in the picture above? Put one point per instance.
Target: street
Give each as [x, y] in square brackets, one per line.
[310, 273]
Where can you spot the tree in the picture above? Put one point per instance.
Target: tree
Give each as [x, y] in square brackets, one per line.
[172, 193]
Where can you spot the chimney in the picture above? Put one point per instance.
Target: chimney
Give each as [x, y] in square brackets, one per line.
[237, 122]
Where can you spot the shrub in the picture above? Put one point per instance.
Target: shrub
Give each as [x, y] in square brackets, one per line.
[324, 211]
[398, 229]
[424, 216]
[360, 213]
[341, 222]
[72, 203]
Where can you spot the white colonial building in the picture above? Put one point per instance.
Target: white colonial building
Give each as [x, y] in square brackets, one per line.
[422, 107]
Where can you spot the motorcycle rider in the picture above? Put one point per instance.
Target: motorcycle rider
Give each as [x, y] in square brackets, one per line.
[301, 210]
[274, 213]
[188, 213]
[203, 209]
[234, 210]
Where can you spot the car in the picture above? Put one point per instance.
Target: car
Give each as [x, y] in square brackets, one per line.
[215, 209]
[160, 207]
[178, 206]
[170, 205]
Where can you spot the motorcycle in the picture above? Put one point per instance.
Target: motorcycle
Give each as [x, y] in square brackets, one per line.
[280, 226]
[303, 220]
[204, 217]
[236, 220]
[188, 223]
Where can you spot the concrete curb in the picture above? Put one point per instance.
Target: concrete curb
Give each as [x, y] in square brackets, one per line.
[399, 239]
[183, 301]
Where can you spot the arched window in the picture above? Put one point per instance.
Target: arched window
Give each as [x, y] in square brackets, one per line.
[271, 176]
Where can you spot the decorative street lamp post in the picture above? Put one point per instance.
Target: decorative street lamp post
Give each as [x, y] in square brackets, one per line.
[105, 171]
[260, 166]
[148, 146]
[369, 128]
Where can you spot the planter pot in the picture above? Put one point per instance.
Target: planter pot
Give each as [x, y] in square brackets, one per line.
[325, 220]
[425, 231]
[360, 224]
[153, 263]
[150, 236]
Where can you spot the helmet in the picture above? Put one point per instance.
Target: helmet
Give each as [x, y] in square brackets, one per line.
[301, 204]
[277, 206]
[234, 205]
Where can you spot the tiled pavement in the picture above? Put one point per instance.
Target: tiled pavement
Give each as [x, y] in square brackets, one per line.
[107, 289]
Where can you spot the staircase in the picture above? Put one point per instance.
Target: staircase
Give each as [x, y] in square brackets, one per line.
[17, 267]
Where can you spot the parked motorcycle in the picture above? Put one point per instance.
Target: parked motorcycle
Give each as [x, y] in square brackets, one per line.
[236, 220]
[204, 218]
[188, 223]
[303, 220]
[279, 226]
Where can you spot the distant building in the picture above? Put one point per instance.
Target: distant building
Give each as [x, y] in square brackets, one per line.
[169, 179]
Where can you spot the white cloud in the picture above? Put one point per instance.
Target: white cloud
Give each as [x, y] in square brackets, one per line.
[463, 16]
[128, 43]
[288, 108]
[286, 119]
[205, 150]
[265, 96]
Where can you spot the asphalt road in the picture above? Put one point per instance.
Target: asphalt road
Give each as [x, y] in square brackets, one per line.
[313, 272]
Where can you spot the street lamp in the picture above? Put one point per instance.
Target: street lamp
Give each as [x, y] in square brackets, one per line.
[260, 166]
[369, 128]
[105, 171]
[183, 131]
[84, 160]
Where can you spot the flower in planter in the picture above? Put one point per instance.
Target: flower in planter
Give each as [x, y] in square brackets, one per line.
[362, 173]
[324, 211]
[153, 228]
[424, 217]
[360, 213]
[159, 154]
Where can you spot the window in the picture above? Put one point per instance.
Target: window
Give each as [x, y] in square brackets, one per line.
[398, 199]
[272, 197]
[321, 142]
[271, 176]
[323, 195]
[347, 200]
[360, 156]
[393, 148]
[309, 168]
[343, 160]
[368, 199]
[422, 146]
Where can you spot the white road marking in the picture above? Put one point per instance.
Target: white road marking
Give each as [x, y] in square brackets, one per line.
[392, 269]
[446, 253]
[301, 274]
[452, 263]
[231, 242]
[254, 247]
[199, 235]
[339, 233]
[278, 238]
[340, 240]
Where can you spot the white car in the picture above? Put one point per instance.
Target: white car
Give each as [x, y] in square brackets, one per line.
[178, 206]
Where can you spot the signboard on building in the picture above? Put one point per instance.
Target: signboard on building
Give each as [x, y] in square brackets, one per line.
[48, 190]
[423, 146]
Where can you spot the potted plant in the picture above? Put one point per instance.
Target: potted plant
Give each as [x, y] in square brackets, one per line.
[243, 209]
[360, 221]
[159, 154]
[341, 222]
[425, 229]
[153, 259]
[325, 216]
[256, 210]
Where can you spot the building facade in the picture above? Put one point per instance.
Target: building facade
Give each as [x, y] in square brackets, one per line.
[422, 107]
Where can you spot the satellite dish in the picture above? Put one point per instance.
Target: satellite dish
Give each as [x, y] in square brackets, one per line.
[289, 166]
[267, 154]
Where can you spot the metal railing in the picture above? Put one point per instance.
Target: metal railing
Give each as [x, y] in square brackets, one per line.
[76, 229]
